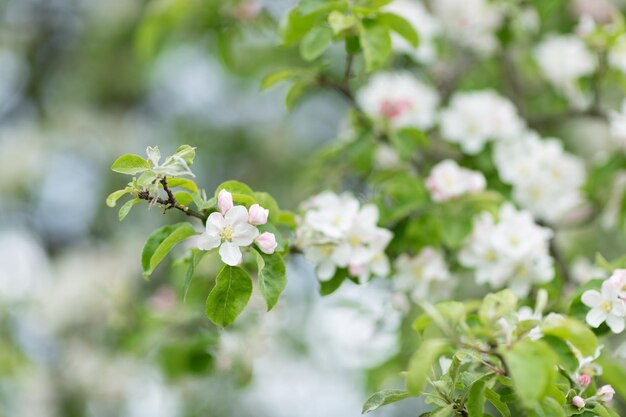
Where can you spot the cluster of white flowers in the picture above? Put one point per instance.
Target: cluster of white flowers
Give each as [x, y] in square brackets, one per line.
[563, 59]
[424, 276]
[511, 252]
[609, 304]
[423, 22]
[546, 180]
[447, 180]
[337, 232]
[399, 100]
[234, 227]
[470, 23]
[474, 118]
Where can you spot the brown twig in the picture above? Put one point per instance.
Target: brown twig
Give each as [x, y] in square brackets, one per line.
[170, 202]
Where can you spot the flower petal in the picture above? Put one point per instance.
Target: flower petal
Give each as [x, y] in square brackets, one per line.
[244, 234]
[325, 270]
[616, 324]
[231, 254]
[215, 223]
[595, 317]
[207, 241]
[236, 215]
[592, 298]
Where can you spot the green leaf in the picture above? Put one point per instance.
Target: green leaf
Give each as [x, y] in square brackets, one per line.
[125, 209]
[421, 363]
[494, 398]
[161, 242]
[130, 164]
[573, 331]
[315, 42]
[532, 367]
[603, 411]
[272, 277]
[447, 411]
[296, 91]
[497, 305]
[340, 22]
[278, 76]
[567, 359]
[116, 195]
[146, 178]
[401, 26]
[230, 295]
[196, 256]
[383, 397]
[187, 153]
[476, 398]
[234, 187]
[183, 197]
[296, 26]
[185, 183]
[549, 407]
[376, 43]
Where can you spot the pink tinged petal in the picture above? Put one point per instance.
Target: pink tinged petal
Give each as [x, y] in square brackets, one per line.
[616, 324]
[325, 270]
[595, 317]
[267, 242]
[224, 201]
[592, 298]
[258, 215]
[236, 215]
[231, 254]
[215, 223]
[244, 234]
[207, 241]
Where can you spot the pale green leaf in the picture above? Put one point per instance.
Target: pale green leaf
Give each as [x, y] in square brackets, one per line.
[229, 297]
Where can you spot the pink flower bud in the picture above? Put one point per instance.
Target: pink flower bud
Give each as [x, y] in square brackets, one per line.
[584, 380]
[605, 393]
[224, 201]
[257, 215]
[578, 401]
[267, 242]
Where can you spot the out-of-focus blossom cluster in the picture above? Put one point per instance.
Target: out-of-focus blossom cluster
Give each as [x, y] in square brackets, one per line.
[546, 179]
[336, 231]
[448, 180]
[510, 250]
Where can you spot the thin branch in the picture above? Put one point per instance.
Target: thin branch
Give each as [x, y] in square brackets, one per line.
[170, 202]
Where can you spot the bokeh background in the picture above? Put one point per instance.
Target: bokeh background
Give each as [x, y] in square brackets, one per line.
[81, 333]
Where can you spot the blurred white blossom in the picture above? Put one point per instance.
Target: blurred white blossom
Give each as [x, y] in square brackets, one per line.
[474, 118]
[427, 27]
[424, 276]
[447, 180]
[511, 251]
[399, 100]
[546, 180]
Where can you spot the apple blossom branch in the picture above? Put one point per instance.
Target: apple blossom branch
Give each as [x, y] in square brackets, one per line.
[170, 202]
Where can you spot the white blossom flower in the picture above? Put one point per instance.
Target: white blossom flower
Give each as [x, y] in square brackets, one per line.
[399, 100]
[474, 118]
[423, 277]
[470, 23]
[427, 27]
[546, 180]
[618, 280]
[511, 252]
[605, 393]
[356, 328]
[606, 306]
[448, 180]
[336, 232]
[583, 270]
[267, 242]
[229, 229]
[563, 59]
